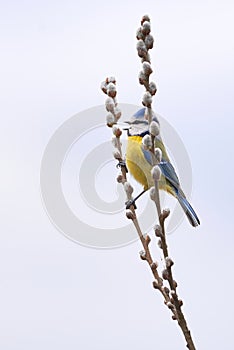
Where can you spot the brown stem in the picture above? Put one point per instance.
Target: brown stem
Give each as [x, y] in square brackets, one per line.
[173, 285]
[145, 244]
[163, 236]
[157, 199]
[158, 283]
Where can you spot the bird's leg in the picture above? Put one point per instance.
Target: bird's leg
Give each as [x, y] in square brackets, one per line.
[132, 201]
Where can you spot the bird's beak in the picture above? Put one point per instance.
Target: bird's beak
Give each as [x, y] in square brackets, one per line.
[127, 129]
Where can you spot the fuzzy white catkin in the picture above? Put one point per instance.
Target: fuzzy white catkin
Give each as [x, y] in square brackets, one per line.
[147, 142]
[130, 214]
[156, 173]
[139, 34]
[110, 119]
[146, 27]
[140, 44]
[153, 194]
[149, 41]
[142, 77]
[114, 141]
[147, 69]
[145, 18]
[109, 104]
[166, 212]
[147, 99]
[154, 128]
[169, 263]
[128, 189]
[111, 87]
[158, 155]
[103, 86]
[111, 80]
[141, 48]
[152, 88]
[117, 113]
[142, 254]
[116, 155]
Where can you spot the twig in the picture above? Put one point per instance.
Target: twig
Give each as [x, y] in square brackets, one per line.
[144, 44]
[177, 303]
[143, 47]
[108, 86]
[145, 254]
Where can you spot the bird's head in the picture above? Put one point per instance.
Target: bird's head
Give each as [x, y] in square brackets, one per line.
[138, 125]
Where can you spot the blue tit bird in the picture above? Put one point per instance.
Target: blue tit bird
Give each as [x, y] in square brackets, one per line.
[138, 161]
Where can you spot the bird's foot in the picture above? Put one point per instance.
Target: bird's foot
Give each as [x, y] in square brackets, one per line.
[122, 164]
[129, 203]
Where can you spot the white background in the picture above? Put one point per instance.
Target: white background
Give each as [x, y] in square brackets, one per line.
[55, 294]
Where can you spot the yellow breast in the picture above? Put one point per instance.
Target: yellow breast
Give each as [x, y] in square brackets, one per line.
[136, 162]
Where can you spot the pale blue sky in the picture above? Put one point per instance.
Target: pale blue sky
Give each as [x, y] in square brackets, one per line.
[56, 294]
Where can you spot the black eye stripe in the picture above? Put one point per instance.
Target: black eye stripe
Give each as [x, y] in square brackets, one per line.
[144, 133]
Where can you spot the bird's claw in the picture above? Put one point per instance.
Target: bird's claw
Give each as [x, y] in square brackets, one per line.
[129, 203]
[122, 164]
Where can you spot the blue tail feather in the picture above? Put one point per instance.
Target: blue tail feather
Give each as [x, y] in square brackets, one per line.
[189, 211]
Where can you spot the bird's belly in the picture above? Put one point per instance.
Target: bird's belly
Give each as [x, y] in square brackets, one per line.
[138, 165]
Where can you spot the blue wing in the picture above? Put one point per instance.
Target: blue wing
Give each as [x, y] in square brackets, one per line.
[169, 172]
[147, 155]
[166, 167]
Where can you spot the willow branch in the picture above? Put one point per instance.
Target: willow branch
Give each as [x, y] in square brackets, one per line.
[168, 274]
[145, 43]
